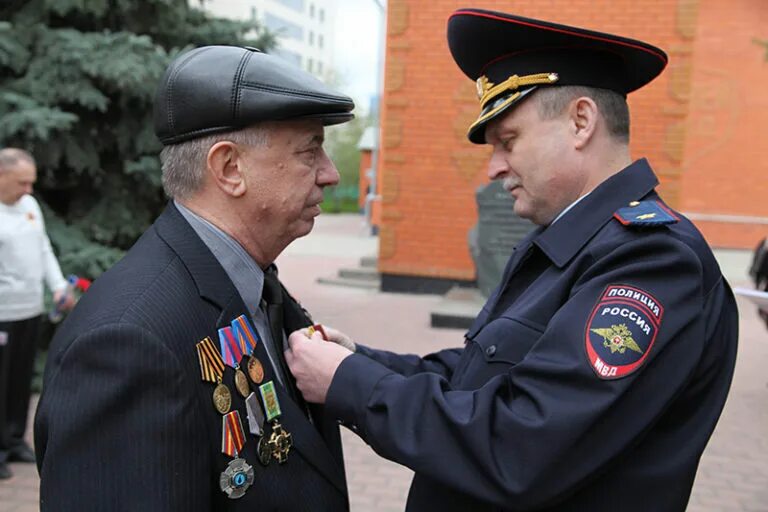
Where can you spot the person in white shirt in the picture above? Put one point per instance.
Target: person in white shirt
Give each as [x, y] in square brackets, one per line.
[26, 260]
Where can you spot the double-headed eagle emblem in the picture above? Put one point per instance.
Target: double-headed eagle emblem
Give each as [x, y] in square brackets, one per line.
[618, 338]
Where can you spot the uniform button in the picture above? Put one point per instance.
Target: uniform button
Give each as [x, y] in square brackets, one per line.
[490, 351]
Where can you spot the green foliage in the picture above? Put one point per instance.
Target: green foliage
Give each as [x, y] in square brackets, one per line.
[77, 81]
[341, 144]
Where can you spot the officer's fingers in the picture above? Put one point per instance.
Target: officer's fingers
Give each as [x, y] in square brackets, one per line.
[296, 339]
[333, 334]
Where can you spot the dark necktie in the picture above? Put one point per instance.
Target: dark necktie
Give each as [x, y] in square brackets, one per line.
[272, 294]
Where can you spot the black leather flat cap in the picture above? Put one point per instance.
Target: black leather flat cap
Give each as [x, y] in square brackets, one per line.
[220, 88]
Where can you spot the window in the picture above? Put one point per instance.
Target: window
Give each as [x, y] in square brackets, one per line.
[254, 14]
[283, 27]
[312, 38]
[321, 15]
[292, 57]
[319, 67]
[320, 40]
[293, 4]
[309, 65]
[312, 11]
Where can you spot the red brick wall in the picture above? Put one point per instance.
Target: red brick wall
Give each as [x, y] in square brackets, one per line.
[429, 172]
[365, 164]
[725, 166]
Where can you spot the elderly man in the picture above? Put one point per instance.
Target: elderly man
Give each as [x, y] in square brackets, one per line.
[26, 262]
[594, 375]
[166, 389]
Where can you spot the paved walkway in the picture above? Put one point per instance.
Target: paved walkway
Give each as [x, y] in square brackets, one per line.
[733, 475]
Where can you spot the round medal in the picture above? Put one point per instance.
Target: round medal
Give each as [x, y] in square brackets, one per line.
[236, 479]
[241, 383]
[222, 398]
[255, 370]
[264, 450]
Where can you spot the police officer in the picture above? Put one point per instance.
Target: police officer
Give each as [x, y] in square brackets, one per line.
[594, 375]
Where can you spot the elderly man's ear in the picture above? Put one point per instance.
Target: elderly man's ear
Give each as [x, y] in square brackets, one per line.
[226, 167]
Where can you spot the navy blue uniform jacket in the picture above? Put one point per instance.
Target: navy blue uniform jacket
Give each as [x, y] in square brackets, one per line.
[593, 385]
[125, 421]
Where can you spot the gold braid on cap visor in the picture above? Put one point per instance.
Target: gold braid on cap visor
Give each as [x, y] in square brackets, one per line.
[487, 90]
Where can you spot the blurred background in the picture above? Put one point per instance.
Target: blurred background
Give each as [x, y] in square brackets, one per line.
[77, 80]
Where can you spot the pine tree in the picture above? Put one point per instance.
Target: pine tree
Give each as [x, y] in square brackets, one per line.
[77, 82]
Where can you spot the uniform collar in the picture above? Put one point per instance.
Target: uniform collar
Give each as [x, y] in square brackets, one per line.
[562, 240]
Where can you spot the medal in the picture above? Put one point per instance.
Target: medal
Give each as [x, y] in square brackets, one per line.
[236, 479]
[211, 370]
[241, 383]
[255, 415]
[271, 403]
[211, 365]
[222, 398]
[232, 435]
[317, 328]
[280, 442]
[264, 451]
[255, 370]
[238, 476]
[245, 334]
[231, 350]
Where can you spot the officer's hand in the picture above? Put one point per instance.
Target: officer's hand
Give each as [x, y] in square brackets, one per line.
[313, 362]
[68, 301]
[340, 338]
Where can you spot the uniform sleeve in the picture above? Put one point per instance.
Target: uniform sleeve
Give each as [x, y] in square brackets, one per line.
[115, 428]
[54, 279]
[440, 363]
[538, 429]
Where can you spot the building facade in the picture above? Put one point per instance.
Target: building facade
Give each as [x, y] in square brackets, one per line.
[304, 27]
[702, 124]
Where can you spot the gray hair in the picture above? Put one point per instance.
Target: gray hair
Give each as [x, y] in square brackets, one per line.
[10, 157]
[184, 164]
[612, 105]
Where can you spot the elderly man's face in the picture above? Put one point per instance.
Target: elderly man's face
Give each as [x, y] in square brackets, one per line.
[17, 181]
[287, 177]
[536, 160]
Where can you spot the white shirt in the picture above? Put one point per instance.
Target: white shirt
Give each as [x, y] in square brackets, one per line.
[26, 259]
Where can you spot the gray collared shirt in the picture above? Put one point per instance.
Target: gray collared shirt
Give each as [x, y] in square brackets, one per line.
[244, 273]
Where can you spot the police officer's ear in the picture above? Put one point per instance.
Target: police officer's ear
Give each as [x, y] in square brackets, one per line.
[226, 168]
[583, 116]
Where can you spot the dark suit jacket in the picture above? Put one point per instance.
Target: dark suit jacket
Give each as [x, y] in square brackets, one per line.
[125, 421]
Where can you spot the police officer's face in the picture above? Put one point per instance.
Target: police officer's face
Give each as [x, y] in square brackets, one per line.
[536, 160]
[288, 176]
[17, 181]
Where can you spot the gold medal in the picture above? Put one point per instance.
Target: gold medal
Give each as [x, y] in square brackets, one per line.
[255, 370]
[241, 383]
[264, 450]
[280, 442]
[222, 398]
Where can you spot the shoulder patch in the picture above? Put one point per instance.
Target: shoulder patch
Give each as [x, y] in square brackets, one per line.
[645, 214]
[621, 331]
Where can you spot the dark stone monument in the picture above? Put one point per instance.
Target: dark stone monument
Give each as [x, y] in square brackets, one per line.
[496, 233]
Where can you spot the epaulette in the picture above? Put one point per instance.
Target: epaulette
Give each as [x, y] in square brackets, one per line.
[645, 214]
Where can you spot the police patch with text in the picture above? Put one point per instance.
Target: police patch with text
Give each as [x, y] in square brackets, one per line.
[622, 330]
